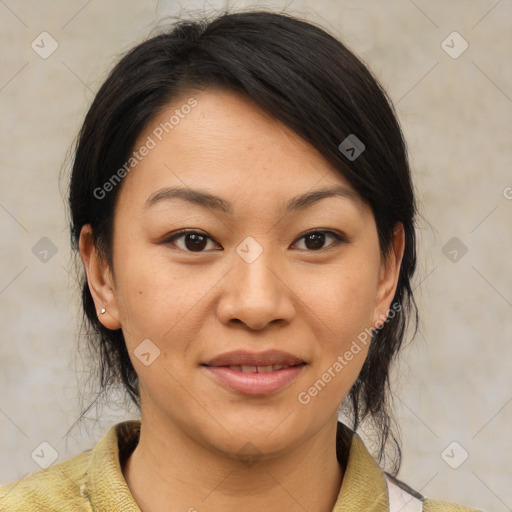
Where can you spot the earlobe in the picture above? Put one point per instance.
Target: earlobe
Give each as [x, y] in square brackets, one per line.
[99, 278]
[388, 276]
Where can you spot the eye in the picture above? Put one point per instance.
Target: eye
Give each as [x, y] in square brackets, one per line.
[314, 240]
[193, 241]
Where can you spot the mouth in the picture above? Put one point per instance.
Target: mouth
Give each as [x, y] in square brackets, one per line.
[255, 374]
[257, 369]
[270, 360]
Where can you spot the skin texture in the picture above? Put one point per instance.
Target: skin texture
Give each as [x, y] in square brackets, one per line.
[311, 300]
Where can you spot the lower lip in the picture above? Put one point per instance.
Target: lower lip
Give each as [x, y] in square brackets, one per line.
[255, 383]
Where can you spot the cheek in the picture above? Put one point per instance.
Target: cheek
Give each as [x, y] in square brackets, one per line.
[346, 298]
[344, 305]
[158, 299]
[148, 294]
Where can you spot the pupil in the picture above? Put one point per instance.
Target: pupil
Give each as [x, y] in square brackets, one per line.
[318, 240]
[199, 241]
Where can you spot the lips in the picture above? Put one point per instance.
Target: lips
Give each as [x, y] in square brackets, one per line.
[260, 374]
[271, 360]
[256, 369]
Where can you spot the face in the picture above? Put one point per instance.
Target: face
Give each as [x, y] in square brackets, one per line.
[272, 270]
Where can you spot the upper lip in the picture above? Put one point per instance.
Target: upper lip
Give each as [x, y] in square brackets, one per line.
[245, 358]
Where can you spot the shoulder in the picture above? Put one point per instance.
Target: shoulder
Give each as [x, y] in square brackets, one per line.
[92, 480]
[49, 489]
[403, 498]
[432, 505]
[365, 482]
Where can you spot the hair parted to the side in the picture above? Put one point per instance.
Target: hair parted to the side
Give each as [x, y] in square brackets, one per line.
[301, 75]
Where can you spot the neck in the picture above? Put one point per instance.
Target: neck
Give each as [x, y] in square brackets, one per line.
[173, 472]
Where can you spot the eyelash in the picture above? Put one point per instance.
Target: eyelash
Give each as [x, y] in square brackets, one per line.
[338, 239]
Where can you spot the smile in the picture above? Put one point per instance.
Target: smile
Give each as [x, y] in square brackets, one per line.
[255, 380]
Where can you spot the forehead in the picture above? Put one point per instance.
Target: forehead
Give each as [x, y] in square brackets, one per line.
[221, 141]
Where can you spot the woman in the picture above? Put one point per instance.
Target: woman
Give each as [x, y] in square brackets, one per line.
[242, 204]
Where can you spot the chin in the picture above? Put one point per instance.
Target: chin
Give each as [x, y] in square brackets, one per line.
[260, 432]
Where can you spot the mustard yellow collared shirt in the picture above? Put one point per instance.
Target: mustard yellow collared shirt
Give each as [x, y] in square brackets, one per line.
[93, 481]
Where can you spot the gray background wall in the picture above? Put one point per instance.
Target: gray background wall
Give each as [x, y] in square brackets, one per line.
[454, 383]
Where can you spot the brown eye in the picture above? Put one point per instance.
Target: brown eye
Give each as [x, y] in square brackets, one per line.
[195, 242]
[315, 240]
[192, 241]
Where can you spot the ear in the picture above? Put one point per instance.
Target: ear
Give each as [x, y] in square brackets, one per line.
[388, 276]
[99, 277]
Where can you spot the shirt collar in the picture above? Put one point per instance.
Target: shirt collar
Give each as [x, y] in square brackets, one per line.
[363, 487]
[108, 489]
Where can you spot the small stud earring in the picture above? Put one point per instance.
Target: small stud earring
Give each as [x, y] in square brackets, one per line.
[103, 310]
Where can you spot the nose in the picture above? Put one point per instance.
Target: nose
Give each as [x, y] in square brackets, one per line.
[255, 294]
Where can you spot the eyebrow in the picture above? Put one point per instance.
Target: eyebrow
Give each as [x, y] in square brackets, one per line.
[213, 202]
